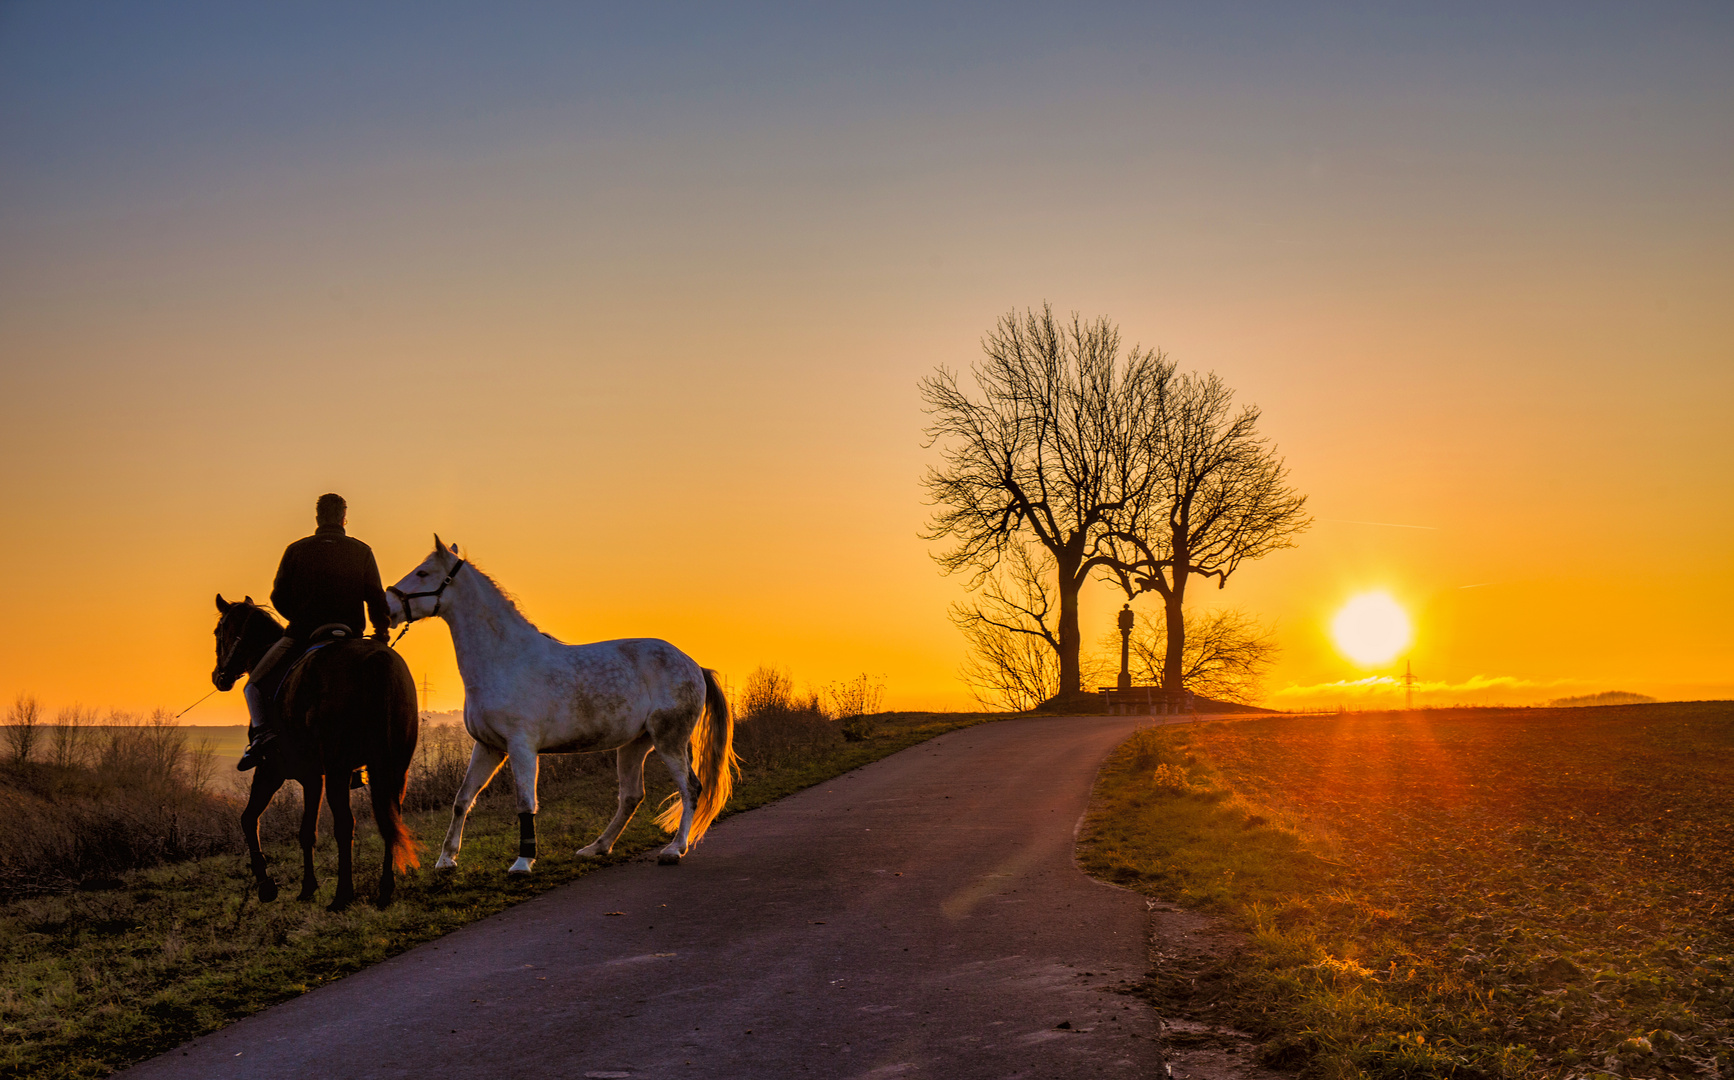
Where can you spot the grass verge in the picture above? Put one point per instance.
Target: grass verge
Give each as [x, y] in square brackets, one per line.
[97, 980]
[1453, 893]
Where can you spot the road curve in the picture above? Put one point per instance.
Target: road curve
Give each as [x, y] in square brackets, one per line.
[918, 917]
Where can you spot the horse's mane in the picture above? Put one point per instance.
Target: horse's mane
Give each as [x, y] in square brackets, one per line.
[266, 610]
[512, 603]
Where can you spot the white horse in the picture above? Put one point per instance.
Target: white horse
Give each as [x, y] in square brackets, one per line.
[527, 694]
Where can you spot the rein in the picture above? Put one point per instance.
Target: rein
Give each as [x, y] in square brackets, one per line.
[404, 598]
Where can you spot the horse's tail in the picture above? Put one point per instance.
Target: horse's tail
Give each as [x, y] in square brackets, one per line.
[713, 762]
[388, 814]
[388, 778]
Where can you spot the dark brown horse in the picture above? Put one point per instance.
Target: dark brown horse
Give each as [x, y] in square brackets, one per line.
[350, 705]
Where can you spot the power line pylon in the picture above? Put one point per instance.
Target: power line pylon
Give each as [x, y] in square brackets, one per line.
[1408, 686]
[424, 690]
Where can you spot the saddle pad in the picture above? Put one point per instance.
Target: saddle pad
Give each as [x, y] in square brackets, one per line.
[289, 676]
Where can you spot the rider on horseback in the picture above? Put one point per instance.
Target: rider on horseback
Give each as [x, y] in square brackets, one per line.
[323, 584]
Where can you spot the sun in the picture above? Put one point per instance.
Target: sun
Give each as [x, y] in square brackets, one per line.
[1372, 629]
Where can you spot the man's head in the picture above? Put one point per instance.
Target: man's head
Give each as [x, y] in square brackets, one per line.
[332, 510]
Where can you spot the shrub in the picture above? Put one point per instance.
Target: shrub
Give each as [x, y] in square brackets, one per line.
[442, 756]
[768, 690]
[855, 703]
[1169, 779]
[557, 770]
[119, 797]
[775, 727]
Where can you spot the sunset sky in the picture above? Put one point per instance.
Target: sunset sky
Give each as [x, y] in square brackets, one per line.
[632, 302]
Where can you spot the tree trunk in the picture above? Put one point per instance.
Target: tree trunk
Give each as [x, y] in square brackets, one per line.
[1174, 614]
[1071, 639]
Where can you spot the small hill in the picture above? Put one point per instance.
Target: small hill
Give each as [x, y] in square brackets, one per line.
[1087, 703]
[1205, 705]
[1606, 697]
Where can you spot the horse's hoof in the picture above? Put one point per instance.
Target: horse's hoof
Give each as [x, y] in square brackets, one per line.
[307, 895]
[267, 891]
[590, 851]
[339, 904]
[668, 858]
[446, 862]
[522, 866]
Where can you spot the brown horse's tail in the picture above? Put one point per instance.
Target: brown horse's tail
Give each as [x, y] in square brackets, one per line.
[388, 778]
[713, 762]
[388, 814]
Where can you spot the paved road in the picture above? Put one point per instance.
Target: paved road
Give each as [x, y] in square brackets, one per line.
[919, 917]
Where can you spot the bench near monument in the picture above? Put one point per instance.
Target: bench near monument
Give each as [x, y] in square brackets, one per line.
[1128, 700]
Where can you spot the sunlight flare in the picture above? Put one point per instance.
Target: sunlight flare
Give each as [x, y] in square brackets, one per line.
[1372, 628]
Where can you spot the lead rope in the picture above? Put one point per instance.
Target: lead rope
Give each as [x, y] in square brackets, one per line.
[194, 705]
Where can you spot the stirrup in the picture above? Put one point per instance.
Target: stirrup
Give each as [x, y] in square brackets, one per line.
[255, 752]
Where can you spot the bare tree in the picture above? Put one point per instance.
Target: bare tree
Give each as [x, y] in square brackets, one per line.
[23, 728]
[1222, 499]
[165, 745]
[1058, 446]
[1014, 652]
[1226, 656]
[66, 738]
[201, 764]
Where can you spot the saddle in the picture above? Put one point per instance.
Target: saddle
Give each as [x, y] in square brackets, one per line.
[331, 631]
[297, 668]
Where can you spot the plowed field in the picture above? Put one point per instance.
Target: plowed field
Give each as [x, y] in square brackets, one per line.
[1534, 892]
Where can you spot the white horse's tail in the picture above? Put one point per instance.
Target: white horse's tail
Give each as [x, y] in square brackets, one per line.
[713, 762]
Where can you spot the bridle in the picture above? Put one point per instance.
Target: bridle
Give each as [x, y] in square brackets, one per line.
[404, 598]
[234, 649]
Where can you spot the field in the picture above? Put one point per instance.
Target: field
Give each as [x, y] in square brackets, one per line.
[1451, 893]
[227, 743]
[96, 979]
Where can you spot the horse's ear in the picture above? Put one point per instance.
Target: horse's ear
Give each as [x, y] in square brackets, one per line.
[438, 546]
[248, 600]
[222, 604]
[454, 549]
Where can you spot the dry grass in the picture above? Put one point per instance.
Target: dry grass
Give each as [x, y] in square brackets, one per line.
[1471, 893]
[81, 802]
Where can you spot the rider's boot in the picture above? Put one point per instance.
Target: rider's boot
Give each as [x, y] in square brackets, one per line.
[259, 732]
[258, 693]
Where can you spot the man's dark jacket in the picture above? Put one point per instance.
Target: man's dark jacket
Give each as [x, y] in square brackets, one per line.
[325, 578]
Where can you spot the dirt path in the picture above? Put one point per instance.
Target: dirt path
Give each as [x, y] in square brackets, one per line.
[919, 917]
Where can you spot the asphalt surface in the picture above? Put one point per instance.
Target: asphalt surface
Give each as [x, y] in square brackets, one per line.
[919, 917]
